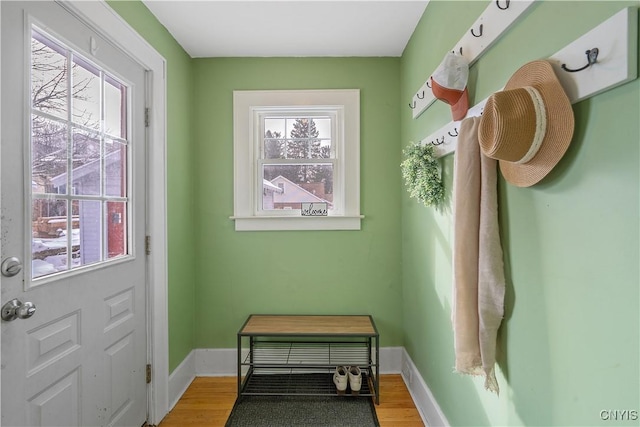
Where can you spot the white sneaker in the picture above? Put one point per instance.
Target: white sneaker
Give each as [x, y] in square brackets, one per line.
[355, 379]
[340, 379]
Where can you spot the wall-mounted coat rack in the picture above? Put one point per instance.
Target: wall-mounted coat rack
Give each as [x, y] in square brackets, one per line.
[496, 19]
[600, 60]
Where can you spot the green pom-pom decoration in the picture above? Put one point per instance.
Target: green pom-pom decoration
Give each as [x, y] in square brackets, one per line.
[421, 172]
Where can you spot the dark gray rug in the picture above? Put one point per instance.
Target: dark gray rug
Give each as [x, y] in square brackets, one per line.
[303, 411]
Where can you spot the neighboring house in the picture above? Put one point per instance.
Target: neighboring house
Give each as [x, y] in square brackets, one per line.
[317, 189]
[268, 191]
[293, 195]
[86, 181]
[86, 177]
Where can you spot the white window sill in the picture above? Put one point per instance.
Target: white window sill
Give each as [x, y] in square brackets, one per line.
[297, 223]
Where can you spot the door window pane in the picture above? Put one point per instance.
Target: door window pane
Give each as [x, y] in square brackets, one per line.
[115, 164]
[49, 77]
[49, 244]
[49, 154]
[115, 108]
[86, 100]
[86, 163]
[89, 250]
[116, 229]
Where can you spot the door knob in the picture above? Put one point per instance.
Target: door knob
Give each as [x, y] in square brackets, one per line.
[11, 266]
[15, 309]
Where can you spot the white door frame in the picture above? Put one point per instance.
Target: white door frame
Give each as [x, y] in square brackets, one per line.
[110, 25]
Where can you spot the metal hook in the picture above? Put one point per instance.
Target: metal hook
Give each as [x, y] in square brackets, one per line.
[413, 106]
[438, 142]
[428, 85]
[456, 130]
[592, 58]
[420, 97]
[500, 7]
[477, 35]
[453, 51]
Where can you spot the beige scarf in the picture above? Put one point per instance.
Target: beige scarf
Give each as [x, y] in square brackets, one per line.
[478, 271]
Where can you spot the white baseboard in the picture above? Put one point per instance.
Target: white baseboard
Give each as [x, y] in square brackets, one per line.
[216, 362]
[421, 394]
[222, 362]
[391, 360]
[181, 378]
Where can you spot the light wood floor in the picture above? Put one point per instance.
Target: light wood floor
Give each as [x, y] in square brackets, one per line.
[208, 402]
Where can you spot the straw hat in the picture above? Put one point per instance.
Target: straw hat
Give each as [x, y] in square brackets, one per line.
[528, 125]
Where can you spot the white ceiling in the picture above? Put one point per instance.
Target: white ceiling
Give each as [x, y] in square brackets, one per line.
[235, 28]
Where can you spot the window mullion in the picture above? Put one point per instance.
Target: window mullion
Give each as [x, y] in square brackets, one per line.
[70, 148]
[307, 140]
[103, 185]
[296, 161]
[259, 185]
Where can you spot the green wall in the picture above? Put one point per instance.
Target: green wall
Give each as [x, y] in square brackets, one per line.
[180, 187]
[569, 344]
[306, 272]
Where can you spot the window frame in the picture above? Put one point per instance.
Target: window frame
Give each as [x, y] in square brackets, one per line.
[248, 107]
[70, 196]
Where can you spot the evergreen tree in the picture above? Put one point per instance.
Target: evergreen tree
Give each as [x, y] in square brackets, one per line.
[273, 145]
[273, 149]
[303, 143]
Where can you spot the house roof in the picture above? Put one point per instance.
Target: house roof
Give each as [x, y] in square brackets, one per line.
[85, 169]
[269, 186]
[297, 196]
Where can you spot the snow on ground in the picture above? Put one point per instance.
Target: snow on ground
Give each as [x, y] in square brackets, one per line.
[53, 263]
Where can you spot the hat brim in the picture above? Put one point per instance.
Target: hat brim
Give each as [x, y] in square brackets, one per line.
[457, 99]
[460, 108]
[560, 124]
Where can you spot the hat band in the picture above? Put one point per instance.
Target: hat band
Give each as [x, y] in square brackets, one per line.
[541, 125]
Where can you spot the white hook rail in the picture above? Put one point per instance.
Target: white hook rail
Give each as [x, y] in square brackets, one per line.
[496, 19]
[617, 42]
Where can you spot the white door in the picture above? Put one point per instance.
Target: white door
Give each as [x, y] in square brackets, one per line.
[73, 215]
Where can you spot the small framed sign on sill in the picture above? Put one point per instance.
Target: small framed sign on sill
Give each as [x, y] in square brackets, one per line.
[314, 209]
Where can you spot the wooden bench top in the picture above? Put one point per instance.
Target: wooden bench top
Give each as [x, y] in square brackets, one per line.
[259, 324]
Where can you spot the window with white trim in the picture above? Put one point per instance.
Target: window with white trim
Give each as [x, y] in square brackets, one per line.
[297, 160]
